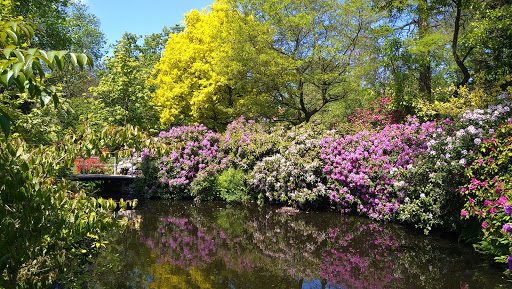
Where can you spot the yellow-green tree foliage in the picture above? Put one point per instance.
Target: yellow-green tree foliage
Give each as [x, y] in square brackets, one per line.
[466, 97]
[190, 85]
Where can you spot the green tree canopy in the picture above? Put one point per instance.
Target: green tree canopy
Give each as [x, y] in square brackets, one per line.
[122, 90]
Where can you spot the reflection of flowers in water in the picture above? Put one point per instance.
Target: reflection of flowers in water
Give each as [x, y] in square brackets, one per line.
[343, 255]
[370, 266]
[185, 243]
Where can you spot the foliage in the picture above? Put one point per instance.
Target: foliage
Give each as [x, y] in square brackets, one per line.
[304, 60]
[293, 174]
[122, 88]
[43, 222]
[477, 96]
[489, 193]
[231, 185]
[246, 142]
[190, 85]
[377, 114]
[23, 76]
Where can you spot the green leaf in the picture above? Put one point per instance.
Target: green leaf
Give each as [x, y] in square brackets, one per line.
[61, 53]
[32, 51]
[29, 32]
[20, 82]
[5, 125]
[20, 56]
[60, 62]
[55, 98]
[39, 68]
[90, 62]
[51, 56]
[12, 35]
[82, 60]
[14, 25]
[7, 50]
[6, 63]
[44, 99]
[16, 68]
[42, 55]
[6, 77]
[72, 56]
[29, 74]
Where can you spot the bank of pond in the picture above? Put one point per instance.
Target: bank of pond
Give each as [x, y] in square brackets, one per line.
[186, 244]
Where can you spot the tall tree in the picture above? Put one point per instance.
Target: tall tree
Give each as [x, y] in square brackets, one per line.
[50, 17]
[190, 84]
[304, 62]
[280, 60]
[422, 28]
[122, 88]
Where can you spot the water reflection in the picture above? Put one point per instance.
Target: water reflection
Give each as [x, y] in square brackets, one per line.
[216, 245]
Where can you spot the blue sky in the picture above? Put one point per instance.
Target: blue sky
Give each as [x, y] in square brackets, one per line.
[140, 16]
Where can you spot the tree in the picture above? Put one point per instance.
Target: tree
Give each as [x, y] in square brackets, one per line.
[23, 74]
[122, 88]
[483, 40]
[281, 60]
[190, 86]
[50, 17]
[39, 219]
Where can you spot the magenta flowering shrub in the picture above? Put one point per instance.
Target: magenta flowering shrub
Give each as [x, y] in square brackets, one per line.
[247, 142]
[377, 114]
[363, 170]
[188, 167]
[488, 195]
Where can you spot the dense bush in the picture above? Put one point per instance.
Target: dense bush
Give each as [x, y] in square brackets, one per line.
[488, 195]
[294, 173]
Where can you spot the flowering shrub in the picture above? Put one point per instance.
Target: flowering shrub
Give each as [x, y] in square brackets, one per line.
[411, 172]
[247, 142]
[194, 158]
[376, 115]
[364, 169]
[489, 193]
[294, 174]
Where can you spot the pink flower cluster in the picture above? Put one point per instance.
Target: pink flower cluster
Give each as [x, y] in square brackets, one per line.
[376, 115]
[364, 169]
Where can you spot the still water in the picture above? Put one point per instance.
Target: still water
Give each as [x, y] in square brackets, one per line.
[220, 245]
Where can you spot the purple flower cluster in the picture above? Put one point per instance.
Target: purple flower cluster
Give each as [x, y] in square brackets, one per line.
[364, 169]
[192, 154]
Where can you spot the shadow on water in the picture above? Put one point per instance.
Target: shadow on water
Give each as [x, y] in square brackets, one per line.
[219, 245]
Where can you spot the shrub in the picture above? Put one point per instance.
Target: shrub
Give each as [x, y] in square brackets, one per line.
[376, 115]
[294, 174]
[231, 185]
[488, 195]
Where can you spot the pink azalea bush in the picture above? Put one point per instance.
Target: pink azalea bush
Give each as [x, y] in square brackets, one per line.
[377, 114]
[488, 195]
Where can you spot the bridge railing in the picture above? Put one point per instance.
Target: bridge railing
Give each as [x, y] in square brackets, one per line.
[83, 165]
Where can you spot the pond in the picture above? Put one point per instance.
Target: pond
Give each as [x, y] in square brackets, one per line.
[222, 245]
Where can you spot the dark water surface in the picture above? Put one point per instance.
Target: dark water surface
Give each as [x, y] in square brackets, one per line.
[219, 245]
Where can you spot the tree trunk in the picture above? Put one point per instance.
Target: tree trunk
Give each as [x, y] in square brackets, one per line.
[460, 62]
